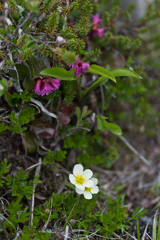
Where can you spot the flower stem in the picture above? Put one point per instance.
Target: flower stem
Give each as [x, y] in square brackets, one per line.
[69, 215]
[79, 82]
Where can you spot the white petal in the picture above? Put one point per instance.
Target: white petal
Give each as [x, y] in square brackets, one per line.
[89, 184]
[78, 168]
[87, 195]
[94, 190]
[95, 180]
[88, 173]
[72, 178]
[79, 191]
[81, 187]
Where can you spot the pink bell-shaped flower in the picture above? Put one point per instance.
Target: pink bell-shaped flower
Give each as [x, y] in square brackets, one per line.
[46, 85]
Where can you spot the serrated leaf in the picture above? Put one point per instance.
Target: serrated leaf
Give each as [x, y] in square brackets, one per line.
[118, 72]
[103, 125]
[60, 73]
[101, 71]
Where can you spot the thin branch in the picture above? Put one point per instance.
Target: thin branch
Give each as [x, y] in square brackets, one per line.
[33, 195]
[4, 229]
[66, 232]
[134, 150]
[22, 24]
[38, 103]
[131, 236]
[102, 96]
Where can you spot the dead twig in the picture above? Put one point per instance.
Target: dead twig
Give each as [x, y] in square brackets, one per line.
[4, 229]
[38, 103]
[134, 150]
[66, 232]
[33, 195]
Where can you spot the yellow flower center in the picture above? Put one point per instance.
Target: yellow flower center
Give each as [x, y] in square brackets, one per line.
[80, 179]
[87, 189]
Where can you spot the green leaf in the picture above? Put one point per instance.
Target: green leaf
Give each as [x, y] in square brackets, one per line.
[60, 73]
[51, 157]
[78, 112]
[9, 98]
[103, 125]
[3, 127]
[2, 31]
[101, 71]
[85, 111]
[3, 86]
[118, 72]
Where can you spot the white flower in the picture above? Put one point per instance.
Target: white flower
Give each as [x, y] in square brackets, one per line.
[80, 178]
[60, 40]
[87, 192]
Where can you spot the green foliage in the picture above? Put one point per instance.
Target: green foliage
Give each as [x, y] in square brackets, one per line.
[26, 54]
[138, 213]
[51, 157]
[25, 96]
[2, 54]
[68, 33]
[101, 71]
[47, 5]
[83, 26]
[30, 51]
[52, 21]
[3, 127]
[20, 186]
[76, 141]
[18, 121]
[92, 55]
[31, 233]
[59, 73]
[117, 72]
[74, 44]
[80, 115]
[104, 125]
[3, 170]
[115, 217]
[3, 86]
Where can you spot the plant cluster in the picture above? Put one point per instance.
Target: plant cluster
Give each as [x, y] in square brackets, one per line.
[62, 64]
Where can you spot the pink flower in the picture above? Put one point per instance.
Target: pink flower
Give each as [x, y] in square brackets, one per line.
[96, 30]
[46, 86]
[96, 19]
[80, 67]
